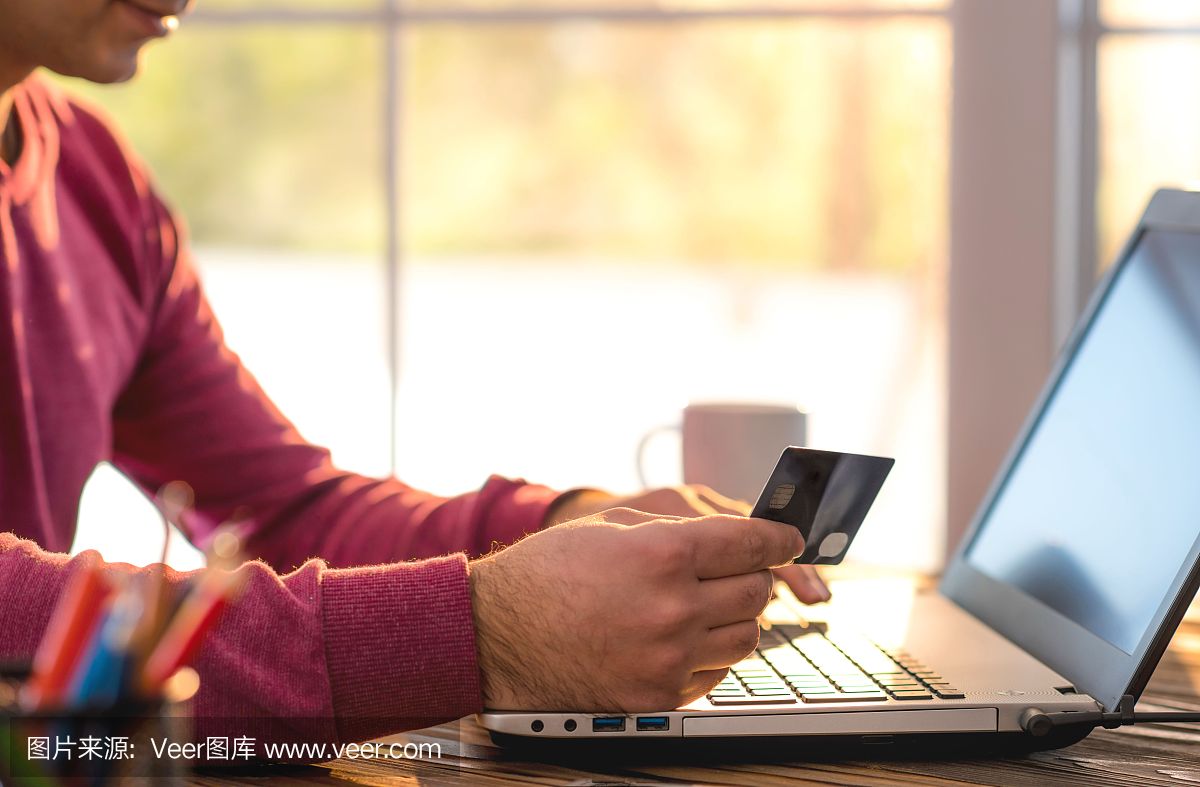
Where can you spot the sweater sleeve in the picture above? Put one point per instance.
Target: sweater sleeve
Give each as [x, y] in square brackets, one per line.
[192, 412]
[316, 655]
[334, 636]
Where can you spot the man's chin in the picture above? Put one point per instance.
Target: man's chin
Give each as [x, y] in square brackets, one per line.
[117, 67]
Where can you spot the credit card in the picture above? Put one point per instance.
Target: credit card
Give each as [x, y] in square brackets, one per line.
[825, 495]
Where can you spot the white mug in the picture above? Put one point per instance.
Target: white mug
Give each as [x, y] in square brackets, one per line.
[732, 447]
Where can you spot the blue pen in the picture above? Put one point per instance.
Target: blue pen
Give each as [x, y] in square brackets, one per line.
[103, 676]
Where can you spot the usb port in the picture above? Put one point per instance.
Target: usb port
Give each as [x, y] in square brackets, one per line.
[653, 723]
[609, 724]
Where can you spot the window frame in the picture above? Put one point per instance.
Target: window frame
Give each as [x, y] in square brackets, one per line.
[1035, 67]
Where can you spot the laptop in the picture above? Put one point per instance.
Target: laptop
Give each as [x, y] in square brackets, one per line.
[1063, 595]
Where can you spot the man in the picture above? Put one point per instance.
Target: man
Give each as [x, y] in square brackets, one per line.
[108, 351]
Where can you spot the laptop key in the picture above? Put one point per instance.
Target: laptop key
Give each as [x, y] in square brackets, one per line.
[911, 695]
[788, 700]
[862, 696]
[750, 672]
[846, 677]
[949, 693]
[754, 675]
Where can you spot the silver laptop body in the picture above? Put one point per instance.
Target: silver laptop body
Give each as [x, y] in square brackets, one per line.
[1080, 563]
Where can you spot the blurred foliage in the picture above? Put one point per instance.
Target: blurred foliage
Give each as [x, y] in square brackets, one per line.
[823, 5]
[262, 137]
[800, 143]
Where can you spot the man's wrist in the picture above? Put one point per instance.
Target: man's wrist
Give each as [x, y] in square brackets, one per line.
[496, 678]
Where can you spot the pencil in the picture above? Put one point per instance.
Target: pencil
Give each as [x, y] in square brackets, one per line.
[156, 613]
[186, 630]
[75, 620]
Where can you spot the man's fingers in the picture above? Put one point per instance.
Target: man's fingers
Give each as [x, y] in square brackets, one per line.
[702, 683]
[720, 503]
[805, 582]
[725, 546]
[734, 599]
[630, 516]
[727, 645]
[678, 501]
[692, 503]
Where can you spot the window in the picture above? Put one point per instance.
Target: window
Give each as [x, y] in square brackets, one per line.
[540, 230]
[1149, 118]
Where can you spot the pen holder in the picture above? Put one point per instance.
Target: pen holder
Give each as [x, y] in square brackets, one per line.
[100, 745]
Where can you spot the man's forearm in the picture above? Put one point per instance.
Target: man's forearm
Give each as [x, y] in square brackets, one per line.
[317, 655]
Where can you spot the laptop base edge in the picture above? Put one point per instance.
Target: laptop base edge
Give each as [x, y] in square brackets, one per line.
[771, 748]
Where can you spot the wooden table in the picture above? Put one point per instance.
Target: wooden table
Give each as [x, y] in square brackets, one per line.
[1152, 754]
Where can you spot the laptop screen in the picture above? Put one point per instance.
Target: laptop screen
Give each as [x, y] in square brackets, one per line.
[1100, 511]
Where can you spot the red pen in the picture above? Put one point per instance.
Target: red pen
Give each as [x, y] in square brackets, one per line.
[72, 626]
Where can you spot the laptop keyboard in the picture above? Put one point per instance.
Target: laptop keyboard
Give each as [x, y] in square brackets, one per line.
[795, 664]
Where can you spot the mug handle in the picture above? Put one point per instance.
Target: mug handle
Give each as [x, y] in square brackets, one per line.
[644, 443]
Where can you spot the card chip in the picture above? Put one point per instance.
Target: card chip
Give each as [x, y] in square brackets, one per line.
[781, 496]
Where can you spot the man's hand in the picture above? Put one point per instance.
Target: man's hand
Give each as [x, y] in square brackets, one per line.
[692, 500]
[686, 501]
[623, 611]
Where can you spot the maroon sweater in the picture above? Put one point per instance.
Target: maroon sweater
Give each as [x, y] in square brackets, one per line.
[108, 351]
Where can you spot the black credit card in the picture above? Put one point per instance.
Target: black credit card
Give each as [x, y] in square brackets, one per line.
[825, 495]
